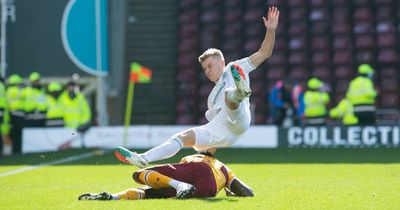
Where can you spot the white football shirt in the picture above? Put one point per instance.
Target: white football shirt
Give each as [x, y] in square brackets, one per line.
[216, 99]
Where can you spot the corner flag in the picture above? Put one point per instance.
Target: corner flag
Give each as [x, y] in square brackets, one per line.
[140, 74]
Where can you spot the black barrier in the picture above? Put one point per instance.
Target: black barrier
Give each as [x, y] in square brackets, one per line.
[340, 136]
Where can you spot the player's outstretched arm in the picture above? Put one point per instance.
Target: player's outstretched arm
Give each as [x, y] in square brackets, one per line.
[238, 188]
[267, 45]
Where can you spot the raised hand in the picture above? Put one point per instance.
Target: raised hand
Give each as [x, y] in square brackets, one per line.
[273, 18]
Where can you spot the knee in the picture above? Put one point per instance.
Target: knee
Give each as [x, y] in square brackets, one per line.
[136, 176]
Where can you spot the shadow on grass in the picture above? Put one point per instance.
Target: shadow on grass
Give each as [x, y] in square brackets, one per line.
[215, 200]
[230, 155]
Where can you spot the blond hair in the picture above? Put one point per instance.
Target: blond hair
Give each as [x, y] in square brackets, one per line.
[211, 52]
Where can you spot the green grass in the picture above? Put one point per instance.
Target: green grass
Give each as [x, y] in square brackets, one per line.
[281, 179]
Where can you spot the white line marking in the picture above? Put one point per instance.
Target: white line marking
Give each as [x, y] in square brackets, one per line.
[65, 160]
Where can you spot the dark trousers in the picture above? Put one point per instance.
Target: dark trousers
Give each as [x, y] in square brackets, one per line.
[365, 118]
[17, 123]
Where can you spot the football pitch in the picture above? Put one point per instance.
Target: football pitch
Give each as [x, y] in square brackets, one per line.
[280, 178]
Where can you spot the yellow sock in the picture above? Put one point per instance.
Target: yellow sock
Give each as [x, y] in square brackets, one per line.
[154, 179]
[131, 194]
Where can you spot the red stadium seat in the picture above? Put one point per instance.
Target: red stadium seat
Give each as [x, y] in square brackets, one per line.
[253, 30]
[278, 58]
[318, 3]
[363, 28]
[389, 72]
[299, 73]
[210, 16]
[365, 56]
[188, 17]
[321, 58]
[253, 15]
[232, 29]
[232, 3]
[389, 100]
[295, 3]
[297, 14]
[361, 2]
[298, 28]
[233, 44]
[365, 41]
[388, 56]
[276, 73]
[384, 12]
[205, 89]
[363, 14]
[343, 72]
[257, 89]
[341, 86]
[341, 14]
[320, 28]
[188, 4]
[323, 72]
[188, 30]
[387, 40]
[389, 84]
[342, 57]
[342, 42]
[298, 58]
[341, 27]
[188, 45]
[233, 15]
[280, 44]
[320, 43]
[208, 4]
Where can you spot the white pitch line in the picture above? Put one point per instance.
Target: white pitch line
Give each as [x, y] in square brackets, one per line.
[65, 160]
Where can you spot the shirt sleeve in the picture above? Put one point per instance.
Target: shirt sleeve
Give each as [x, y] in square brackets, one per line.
[246, 64]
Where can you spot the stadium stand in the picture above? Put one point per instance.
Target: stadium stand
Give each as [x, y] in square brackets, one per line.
[323, 38]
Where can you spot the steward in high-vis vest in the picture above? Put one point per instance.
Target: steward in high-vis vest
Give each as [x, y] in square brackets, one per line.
[344, 110]
[35, 105]
[362, 95]
[5, 141]
[55, 112]
[15, 100]
[315, 102]
[77, 112]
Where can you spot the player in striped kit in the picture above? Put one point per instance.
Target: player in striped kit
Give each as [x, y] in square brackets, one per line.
[199, 175]
[228, 103]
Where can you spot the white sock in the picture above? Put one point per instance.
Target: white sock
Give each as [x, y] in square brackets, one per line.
[163, 151]
[234, 95]
[174, 183]
[115, 197]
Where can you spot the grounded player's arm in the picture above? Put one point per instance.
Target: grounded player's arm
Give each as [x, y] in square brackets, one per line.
[267, 45]
[238, 188]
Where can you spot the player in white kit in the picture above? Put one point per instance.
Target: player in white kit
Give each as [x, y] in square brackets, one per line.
[228, 103]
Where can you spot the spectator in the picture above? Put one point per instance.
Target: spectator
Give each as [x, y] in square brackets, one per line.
[362, 94]
[315, 102]
[15, 102]
[77, 112]
[5, 142]
[282, 104]
[35, 104]
[55, 113]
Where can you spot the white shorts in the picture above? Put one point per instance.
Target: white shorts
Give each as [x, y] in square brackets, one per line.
[222, 131]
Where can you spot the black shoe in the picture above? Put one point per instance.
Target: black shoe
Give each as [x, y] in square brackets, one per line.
[103, 196]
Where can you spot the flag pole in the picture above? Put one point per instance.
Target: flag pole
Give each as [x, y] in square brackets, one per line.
[128, 110]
